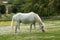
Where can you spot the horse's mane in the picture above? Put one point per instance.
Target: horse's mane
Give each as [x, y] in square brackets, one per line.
[38, 18]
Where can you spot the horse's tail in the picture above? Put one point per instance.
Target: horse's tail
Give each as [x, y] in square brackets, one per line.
[12, 23]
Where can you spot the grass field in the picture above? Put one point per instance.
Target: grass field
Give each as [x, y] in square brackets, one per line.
[52, 28]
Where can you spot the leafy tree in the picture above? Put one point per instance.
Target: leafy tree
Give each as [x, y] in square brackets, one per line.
[41, 7]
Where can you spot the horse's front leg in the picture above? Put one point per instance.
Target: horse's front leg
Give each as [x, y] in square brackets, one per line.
[30, 27]
[35, 27]
[19, 26]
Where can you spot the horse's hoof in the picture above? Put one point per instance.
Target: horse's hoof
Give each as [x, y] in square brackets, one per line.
[43, 30]
[15, 32]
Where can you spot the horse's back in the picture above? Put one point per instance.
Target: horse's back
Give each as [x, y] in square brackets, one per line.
[23, 14]
[25, 17]
[28, 17]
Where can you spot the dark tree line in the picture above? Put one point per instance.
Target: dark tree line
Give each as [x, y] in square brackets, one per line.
[41, 7]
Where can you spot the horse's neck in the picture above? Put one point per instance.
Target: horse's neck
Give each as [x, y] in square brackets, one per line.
[37, 18]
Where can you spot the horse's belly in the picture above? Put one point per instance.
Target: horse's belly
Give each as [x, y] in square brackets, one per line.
[27, 20]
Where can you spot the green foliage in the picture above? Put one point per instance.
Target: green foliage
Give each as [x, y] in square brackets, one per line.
[2, 9]
[4, 17]
[41, 7]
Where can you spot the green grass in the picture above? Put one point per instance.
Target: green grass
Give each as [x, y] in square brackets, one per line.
[52, 33]
[31, 36]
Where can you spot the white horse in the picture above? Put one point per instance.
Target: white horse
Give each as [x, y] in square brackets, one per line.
[26, 18]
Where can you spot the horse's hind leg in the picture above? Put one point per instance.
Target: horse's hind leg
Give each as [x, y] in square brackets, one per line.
[16, 29]
[17, 26]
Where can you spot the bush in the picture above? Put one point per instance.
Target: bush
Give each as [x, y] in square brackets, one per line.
[5, 17]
